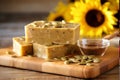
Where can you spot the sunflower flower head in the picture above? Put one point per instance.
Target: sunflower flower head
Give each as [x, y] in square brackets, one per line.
[93, 17]
[61, 12]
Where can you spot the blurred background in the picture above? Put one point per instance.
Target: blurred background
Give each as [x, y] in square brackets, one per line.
[24, 10]
[14, 14]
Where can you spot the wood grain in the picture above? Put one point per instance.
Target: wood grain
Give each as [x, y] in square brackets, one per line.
[109, 60]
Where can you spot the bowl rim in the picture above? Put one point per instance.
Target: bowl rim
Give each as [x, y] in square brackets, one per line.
[106, 42]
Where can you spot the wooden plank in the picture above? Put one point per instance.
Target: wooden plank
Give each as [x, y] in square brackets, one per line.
[108, 61]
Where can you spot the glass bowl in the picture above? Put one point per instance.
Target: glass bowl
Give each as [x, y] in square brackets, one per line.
[93, 46]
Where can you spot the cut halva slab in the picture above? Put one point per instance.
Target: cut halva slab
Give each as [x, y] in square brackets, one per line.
[54, 51]
[21, 48]
[46, 33]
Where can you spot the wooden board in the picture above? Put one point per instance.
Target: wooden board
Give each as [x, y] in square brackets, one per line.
[108, 61]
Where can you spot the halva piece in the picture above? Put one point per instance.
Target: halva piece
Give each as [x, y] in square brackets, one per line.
[54, 51]
[46, 33]
[21, 48]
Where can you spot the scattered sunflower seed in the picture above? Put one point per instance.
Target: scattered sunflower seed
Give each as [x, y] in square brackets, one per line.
[67, 62]
[91, 57]
[96, 60]
[85, 57]
[78, 60]
[77, 56]
[82, 63]
[54, 23]
[88, 64]
[63, 58]
[89, 61]
[81, 60]
[72, 59]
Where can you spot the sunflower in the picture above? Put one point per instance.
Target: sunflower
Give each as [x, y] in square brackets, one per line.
[62, 12]
[93, 17]
[114, 4]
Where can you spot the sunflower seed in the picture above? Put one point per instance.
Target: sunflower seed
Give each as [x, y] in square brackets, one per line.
[88, 64]
[63, 58]
[67, 62]
[85, 57]
[96, 60]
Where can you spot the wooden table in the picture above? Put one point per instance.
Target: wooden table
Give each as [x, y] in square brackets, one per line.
[14, 26]
[7, 73]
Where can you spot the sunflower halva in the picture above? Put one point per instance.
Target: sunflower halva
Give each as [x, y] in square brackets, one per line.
[51, 39]
[21, 48]
[53, 51]
[46, 33]
[49, 52]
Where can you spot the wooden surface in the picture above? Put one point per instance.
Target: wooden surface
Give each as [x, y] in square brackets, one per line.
[14, 26]
[108, 61]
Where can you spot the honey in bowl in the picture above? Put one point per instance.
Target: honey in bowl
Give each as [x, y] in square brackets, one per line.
[93, 46]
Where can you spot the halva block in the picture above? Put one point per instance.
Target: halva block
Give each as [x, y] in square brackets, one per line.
[54, 51]
[21, 48]
[46, 33]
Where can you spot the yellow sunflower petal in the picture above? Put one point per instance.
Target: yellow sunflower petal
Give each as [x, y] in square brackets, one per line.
[80, 10]
[105, 6]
